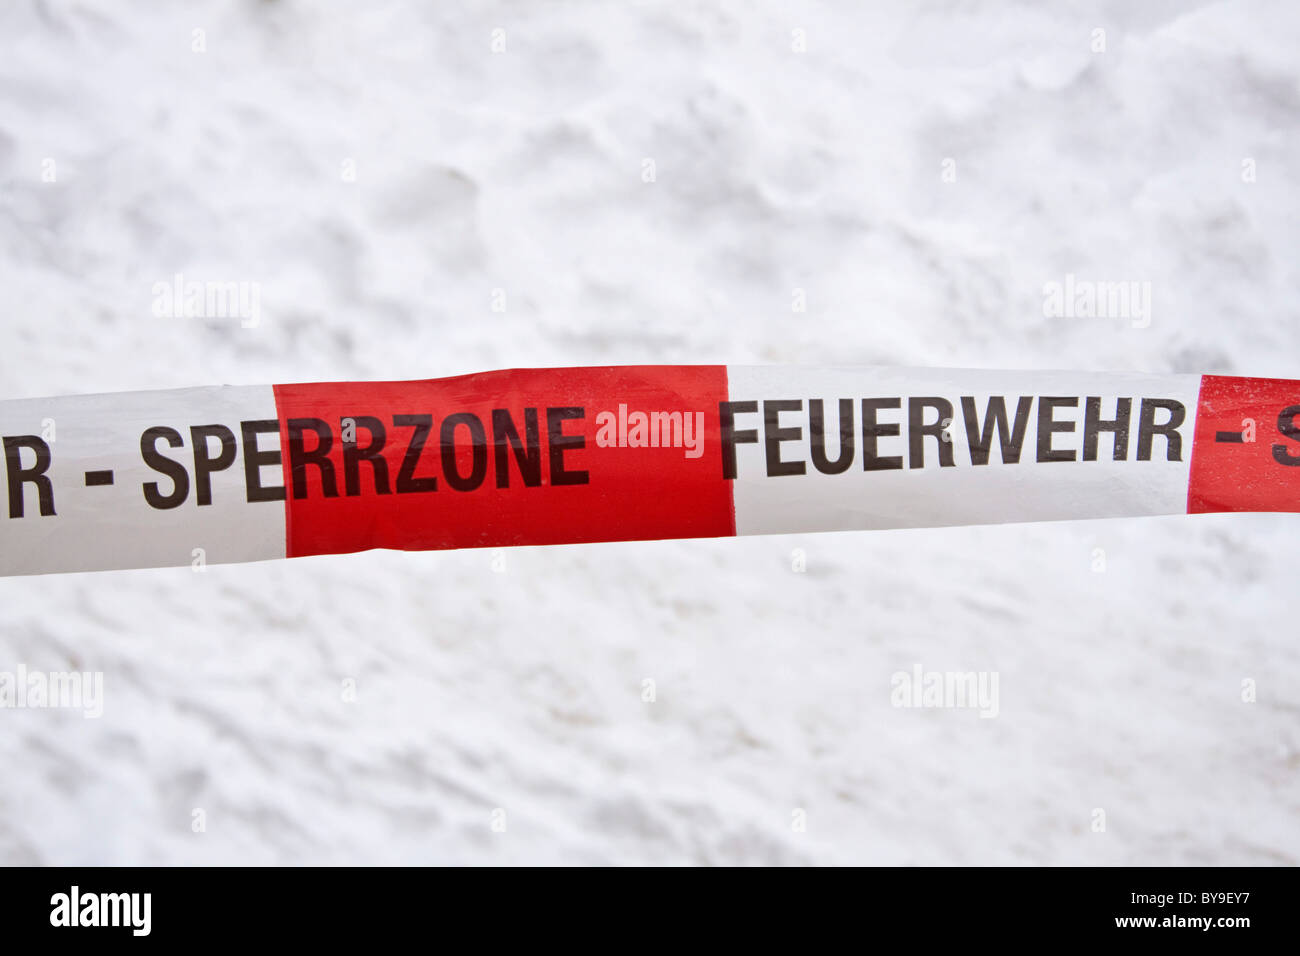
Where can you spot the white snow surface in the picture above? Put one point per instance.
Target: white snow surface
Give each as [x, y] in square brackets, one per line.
[520, 688]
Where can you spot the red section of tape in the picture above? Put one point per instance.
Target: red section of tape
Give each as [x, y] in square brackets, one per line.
[1246, 455]
[504, 458]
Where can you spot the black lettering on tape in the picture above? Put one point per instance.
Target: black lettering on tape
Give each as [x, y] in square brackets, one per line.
[1011, 440]
[204, 465]
[873, 429]
[354, 454]
[1148, 429]
[560, 443]
[300, 456]
[528, 452]
[1094, 425]
[407, 483]
[35, 475]
[917, 430]
[774, 434]
[727, 412]
[255, 458]
[1287, 426]
[478, 451]
[1048, 426]
[817, 435]
[164, 465]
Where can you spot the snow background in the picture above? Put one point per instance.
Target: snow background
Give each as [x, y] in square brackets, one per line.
[776, 170]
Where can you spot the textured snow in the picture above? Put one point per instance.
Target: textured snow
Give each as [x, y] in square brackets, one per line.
[520, 687]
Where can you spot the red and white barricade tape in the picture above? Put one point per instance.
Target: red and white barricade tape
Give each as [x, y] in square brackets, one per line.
[554, 456]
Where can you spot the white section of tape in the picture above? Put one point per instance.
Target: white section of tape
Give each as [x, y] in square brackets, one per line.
[110, 526]
[933, 495]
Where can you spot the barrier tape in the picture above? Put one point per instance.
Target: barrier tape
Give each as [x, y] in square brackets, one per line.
[555, 456]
